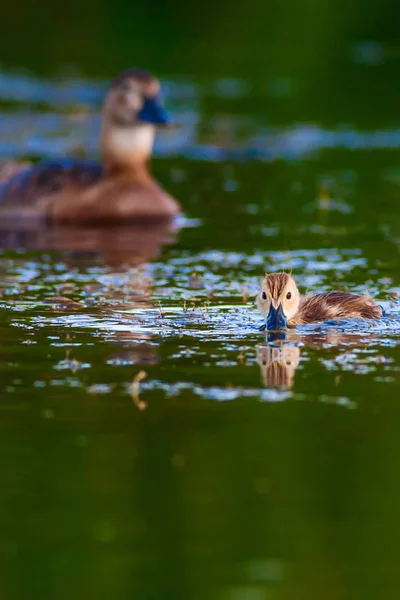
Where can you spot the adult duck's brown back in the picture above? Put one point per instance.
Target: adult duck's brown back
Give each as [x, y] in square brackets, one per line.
[118, 189]
[280, 302]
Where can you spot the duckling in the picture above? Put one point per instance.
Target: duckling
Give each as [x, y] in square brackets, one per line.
[120, 188]
[280, 302]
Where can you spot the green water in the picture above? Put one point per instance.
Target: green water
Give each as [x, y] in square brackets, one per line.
[234, 468]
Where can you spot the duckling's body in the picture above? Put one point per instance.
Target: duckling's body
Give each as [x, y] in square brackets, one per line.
[118, 189]
[335, 305]
[280, 302]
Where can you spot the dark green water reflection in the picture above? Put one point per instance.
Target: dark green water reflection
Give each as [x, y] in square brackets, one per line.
[234, 469]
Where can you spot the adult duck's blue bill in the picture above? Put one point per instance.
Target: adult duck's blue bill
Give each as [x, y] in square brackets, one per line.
[154, 112]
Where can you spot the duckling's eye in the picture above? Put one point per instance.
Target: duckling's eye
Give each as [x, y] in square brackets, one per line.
[264, 296]
[289, 295]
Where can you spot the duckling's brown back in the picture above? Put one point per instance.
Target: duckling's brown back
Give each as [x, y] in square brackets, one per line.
[337, 305]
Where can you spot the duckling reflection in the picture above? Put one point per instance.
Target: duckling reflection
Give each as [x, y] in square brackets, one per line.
[117, 190]
[278, 364]
[279, 357]
[280, 302]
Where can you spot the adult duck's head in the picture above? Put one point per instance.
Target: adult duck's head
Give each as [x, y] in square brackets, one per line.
[132, 110]
[278, 299]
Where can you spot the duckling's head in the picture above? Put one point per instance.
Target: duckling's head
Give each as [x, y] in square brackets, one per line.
[132, 110]
[278, 299]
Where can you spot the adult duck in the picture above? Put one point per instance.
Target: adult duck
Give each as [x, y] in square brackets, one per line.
[279, 301]
[118, 189]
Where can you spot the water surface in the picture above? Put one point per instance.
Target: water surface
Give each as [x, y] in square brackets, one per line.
[155, 444]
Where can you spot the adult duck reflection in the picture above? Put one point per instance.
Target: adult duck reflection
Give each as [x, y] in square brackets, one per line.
[133, 349]
[123, 312]
[131, 244]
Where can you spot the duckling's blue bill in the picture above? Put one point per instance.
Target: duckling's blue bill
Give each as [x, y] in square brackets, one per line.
[276, 318]
[154, 112]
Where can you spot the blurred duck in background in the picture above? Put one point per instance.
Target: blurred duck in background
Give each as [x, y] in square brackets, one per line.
[279, 301]
[118, 190]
